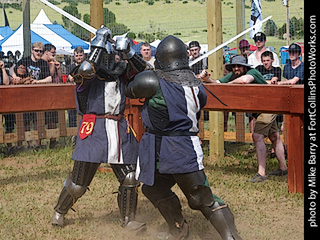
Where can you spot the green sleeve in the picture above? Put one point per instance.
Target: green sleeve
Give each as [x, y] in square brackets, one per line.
[226, 78]
[258, 78]
[157, 100]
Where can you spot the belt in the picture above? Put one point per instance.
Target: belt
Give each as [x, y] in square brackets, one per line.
[114, 117]
[171, 133]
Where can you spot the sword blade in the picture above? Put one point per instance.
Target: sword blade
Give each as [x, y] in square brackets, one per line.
[72, 18]
[227, 42]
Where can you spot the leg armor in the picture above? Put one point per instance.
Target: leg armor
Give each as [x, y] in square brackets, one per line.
[200, 198]
[168, 204]
[74, 187]
[127, 192]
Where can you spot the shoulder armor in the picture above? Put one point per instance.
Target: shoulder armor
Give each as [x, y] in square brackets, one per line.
[144, 85]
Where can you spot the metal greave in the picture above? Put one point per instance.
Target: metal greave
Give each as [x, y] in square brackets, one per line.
[82, 175]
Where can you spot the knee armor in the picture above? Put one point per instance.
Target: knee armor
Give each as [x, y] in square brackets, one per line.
[200, 197]
[75, 185]
[76, 191]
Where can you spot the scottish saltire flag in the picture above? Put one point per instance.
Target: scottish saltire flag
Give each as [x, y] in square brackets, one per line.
[256, 17]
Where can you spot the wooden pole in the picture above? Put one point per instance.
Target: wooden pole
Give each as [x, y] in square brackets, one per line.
[215, 64]
[288, 24]
[96, 14]
[26, 28]
[239, 21]
[240, 126]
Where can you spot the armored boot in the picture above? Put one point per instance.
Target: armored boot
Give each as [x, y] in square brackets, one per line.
[74, 187]
[66, 201]
[128, 196]
[222, 219]
[170, 209]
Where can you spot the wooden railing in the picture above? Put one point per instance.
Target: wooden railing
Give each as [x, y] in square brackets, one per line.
[288, 100]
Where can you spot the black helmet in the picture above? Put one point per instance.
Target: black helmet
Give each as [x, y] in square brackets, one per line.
[171, 54]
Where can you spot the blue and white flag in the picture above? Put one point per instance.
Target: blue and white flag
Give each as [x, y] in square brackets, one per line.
[256, 17]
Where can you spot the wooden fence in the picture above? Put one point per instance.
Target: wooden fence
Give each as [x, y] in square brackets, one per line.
[288, 100]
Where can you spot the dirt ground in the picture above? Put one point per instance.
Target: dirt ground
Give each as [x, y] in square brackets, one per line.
[30, 185]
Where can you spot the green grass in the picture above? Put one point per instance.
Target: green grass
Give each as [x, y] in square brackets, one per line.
[188, 20]
[30, 184]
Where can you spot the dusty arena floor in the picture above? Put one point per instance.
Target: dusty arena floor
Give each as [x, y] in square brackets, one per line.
[30, 183]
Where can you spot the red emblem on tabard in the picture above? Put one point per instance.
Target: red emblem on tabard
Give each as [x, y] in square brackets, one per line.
[88, 121]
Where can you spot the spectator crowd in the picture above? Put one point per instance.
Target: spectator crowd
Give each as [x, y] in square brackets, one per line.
[261, 66]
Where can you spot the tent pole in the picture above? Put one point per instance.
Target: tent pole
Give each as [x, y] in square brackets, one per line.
[26, 28]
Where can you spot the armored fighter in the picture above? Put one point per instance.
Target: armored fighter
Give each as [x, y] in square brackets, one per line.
[104, 135]
[170, 152]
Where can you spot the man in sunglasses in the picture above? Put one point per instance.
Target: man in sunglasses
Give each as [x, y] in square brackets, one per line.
[194, 49]
[37, 68]
[254, 59]
[37, 71]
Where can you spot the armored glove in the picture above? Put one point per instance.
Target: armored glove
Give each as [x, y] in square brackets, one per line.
[123, 46]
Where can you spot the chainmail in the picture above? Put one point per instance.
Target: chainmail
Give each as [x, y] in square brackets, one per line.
[183, 77]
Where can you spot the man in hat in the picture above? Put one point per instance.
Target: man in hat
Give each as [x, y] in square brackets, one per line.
[244, 48]
[294, 70]
[254, 59]
[265, 124]
[194, 49]
[241, 72]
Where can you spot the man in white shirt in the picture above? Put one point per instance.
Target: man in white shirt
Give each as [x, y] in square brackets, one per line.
[254, 59]
[145, 51]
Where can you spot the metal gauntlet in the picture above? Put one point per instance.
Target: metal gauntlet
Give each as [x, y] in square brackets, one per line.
[144, 85]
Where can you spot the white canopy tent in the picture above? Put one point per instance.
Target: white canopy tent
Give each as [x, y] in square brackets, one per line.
[63, 40]
[14, 41]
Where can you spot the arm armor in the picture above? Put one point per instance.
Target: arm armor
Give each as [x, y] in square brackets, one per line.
[144, 85]
[138, 64]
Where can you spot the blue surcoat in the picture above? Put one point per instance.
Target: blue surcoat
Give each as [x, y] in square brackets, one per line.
[102, 146]
[178, 154]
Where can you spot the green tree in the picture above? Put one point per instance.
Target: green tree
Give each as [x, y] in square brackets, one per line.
[270, 28]
[108, 16]
[86, 18]
[73, 10]
[73, 27]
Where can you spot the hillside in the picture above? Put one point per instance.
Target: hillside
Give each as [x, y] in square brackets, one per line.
[184, 18]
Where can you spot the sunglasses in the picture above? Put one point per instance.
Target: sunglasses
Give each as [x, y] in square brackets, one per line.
[38, 50]
[259, 39]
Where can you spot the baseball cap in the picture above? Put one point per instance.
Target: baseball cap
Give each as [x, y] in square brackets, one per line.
[294, 48]
[259, 36]
[194, 44]
[243, 43]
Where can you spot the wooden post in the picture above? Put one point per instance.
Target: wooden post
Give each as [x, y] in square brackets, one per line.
[295, 151]
[240, 126]
[26, 28]
[215, 63]
[239, 20]
[288, 24]
[96, 14]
